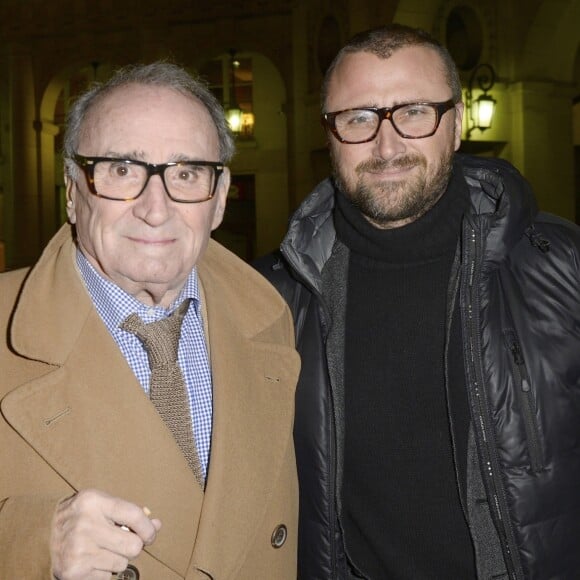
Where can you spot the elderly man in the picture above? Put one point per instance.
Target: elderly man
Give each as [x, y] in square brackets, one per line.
[438, 317]
[148, 375]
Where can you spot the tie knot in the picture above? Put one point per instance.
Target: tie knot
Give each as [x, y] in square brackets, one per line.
[160, 338]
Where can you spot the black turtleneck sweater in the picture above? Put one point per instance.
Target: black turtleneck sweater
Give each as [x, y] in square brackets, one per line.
[402, 515]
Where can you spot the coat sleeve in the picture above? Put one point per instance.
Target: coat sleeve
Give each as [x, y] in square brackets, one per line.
[25, 534]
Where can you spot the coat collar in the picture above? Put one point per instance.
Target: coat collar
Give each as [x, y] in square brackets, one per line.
[54, 298]
[76, 413]
[503, 206]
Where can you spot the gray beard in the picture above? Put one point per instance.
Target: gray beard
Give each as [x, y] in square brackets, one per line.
[421, 192]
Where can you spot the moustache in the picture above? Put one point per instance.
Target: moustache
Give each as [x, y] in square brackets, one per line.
[379, 165]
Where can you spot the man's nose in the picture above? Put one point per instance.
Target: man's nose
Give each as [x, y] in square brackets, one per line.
[155, 185]
[388, 143]
[153, 205]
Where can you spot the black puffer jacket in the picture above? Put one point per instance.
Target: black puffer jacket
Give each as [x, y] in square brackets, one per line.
[518, 286]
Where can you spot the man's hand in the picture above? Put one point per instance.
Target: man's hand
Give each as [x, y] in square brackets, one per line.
[94, 535]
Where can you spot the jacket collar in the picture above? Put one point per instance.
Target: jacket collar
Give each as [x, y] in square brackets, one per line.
[503, 206]
[308, 244]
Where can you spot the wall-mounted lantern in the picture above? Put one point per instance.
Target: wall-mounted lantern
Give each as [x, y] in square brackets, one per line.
[480, 111]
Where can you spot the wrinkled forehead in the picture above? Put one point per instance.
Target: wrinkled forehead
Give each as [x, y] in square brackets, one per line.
[131, 109]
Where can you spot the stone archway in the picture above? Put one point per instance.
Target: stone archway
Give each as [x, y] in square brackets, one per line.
[56, 98]
[552, 41]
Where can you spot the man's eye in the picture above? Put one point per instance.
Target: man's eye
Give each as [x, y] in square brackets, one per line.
[416, 111]
[187, 174]
[119, 169]
[361, 119]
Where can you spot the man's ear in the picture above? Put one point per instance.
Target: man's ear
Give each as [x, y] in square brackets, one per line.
[70, 189]
[221, 196]
[459, 109]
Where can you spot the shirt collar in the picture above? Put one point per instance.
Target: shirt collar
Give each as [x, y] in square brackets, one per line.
[114, 304]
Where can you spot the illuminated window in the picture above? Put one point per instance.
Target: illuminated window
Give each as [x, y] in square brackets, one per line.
[230, 79]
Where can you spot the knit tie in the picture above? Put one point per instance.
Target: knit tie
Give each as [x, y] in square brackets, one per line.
[167, 389]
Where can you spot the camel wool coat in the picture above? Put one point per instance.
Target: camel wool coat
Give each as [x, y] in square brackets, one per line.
[74, 416]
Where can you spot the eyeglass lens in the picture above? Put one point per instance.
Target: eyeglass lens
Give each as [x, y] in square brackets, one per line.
[121, 179]
[416, 120]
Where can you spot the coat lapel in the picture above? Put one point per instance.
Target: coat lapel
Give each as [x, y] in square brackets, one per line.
[87, 415]
[254, 385]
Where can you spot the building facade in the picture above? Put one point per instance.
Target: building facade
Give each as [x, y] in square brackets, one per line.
[49, 51]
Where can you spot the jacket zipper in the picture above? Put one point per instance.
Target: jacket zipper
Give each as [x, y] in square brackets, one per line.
[450, 308]
[526, 399]
[482, 423]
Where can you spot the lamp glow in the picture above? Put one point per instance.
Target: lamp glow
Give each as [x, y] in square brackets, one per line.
[234, 118]
[482, 109]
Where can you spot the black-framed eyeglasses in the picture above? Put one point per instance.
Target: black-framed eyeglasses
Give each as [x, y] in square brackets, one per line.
[126, 179]
[410, 120]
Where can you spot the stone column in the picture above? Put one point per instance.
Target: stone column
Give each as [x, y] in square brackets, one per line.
[23, 235]
[48, 206]
[542, 143]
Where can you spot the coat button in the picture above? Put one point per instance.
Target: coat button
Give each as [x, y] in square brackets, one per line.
[130, 573]
[279, 536]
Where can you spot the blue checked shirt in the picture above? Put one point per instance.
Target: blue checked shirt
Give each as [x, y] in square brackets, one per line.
[114, 305]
